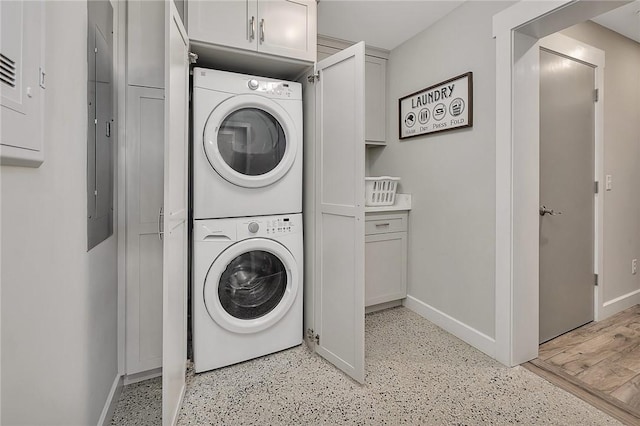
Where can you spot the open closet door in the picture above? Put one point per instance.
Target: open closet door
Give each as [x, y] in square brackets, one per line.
[174, 274]
[339, 188]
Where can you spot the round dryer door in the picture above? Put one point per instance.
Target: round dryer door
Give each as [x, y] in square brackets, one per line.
[250, 141]
[251, 285]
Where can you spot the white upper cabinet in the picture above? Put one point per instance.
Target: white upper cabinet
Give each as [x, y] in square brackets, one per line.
[227, 23]
[375, 70]
[375, 75]
[284, 28]
[287, 28]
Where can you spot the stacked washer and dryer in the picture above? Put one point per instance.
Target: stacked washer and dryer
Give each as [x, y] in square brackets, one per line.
[247, 211]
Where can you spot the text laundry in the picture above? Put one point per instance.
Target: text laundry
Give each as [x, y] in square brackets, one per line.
[433, 96]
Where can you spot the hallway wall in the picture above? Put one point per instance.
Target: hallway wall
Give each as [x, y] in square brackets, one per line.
[59, 302]
[452, 174]
[621, 157]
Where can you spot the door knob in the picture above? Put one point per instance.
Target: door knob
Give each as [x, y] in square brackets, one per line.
[551, 212]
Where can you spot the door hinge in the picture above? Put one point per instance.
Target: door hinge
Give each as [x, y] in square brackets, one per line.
[595, 279]
[314, 77]
[312, 336]
[193, 57]
[596, 187]
[596, 95]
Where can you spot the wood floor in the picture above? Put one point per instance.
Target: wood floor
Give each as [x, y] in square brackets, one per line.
[602, 358]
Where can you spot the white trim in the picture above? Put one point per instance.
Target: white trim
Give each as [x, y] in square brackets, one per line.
[573, 48]
[451, 325]
[130, 379]
[514, 272]
[336, 44]
[382, 306]
[522, 13]
[121, 181]
[621, 303]
[112, 402]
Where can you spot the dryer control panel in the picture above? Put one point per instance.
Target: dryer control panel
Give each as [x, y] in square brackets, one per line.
[269, 226]
[274, 88]
[239, 84]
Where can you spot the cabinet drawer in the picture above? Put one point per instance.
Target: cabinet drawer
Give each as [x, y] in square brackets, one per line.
[383, 224]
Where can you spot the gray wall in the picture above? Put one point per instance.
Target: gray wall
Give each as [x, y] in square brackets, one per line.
[451, 175]
[59, 303]
[621, 154]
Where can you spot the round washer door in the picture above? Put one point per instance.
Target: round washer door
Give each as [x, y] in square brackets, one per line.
[251, 285]
[250, 141]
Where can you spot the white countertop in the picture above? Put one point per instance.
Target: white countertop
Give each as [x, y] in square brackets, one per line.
[402, 202]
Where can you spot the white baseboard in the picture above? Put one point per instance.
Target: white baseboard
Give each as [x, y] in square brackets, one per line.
[112, 402]
[144, 375]
[382, 306]
[613, 306]
[462, 331]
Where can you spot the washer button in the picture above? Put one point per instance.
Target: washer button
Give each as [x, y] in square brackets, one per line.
[253, 227]
[253, 84]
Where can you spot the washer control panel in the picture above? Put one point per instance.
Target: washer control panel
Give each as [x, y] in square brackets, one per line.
[269, 226]
[279, 226]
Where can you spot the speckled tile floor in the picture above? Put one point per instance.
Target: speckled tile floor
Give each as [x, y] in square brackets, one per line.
[416, 374]
[140, 404]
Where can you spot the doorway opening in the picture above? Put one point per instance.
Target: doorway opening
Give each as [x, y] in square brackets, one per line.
[518, 31]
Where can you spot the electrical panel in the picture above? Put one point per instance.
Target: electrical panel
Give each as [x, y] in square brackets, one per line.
[22, 82]
[101, 132]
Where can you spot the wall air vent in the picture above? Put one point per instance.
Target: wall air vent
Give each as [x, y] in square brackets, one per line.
[7, 71]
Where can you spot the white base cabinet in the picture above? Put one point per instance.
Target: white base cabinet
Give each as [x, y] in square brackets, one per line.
[145, 197]
[385, 257]
[144, 188]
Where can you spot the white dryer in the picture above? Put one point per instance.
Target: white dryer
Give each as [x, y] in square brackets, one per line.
[247, 288]
[247, 142]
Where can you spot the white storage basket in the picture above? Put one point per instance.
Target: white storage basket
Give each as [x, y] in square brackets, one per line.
[380, 191]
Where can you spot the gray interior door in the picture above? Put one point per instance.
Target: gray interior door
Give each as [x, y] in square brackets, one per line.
[567, 192]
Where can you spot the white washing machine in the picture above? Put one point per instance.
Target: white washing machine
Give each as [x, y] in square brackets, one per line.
[247, 282]
[247, 143]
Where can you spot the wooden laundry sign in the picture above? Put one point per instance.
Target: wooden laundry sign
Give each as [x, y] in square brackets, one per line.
[444, 106]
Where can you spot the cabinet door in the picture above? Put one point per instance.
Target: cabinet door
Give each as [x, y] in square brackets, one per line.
[145, 175]
[375, 112]
[287, 28]
[339, 200]
[174, 247]
[385, 267]
[232, 23]
[145, 50]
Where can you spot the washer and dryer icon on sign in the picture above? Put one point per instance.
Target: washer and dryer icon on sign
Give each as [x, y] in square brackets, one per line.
[410, 119]
[456, 108]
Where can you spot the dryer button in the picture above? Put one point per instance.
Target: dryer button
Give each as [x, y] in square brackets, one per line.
[253, 84]
[253, 227]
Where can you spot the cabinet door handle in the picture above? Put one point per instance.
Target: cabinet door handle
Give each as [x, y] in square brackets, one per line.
[261, 30]
[160, 224]
[380, 225]
[252, 28]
